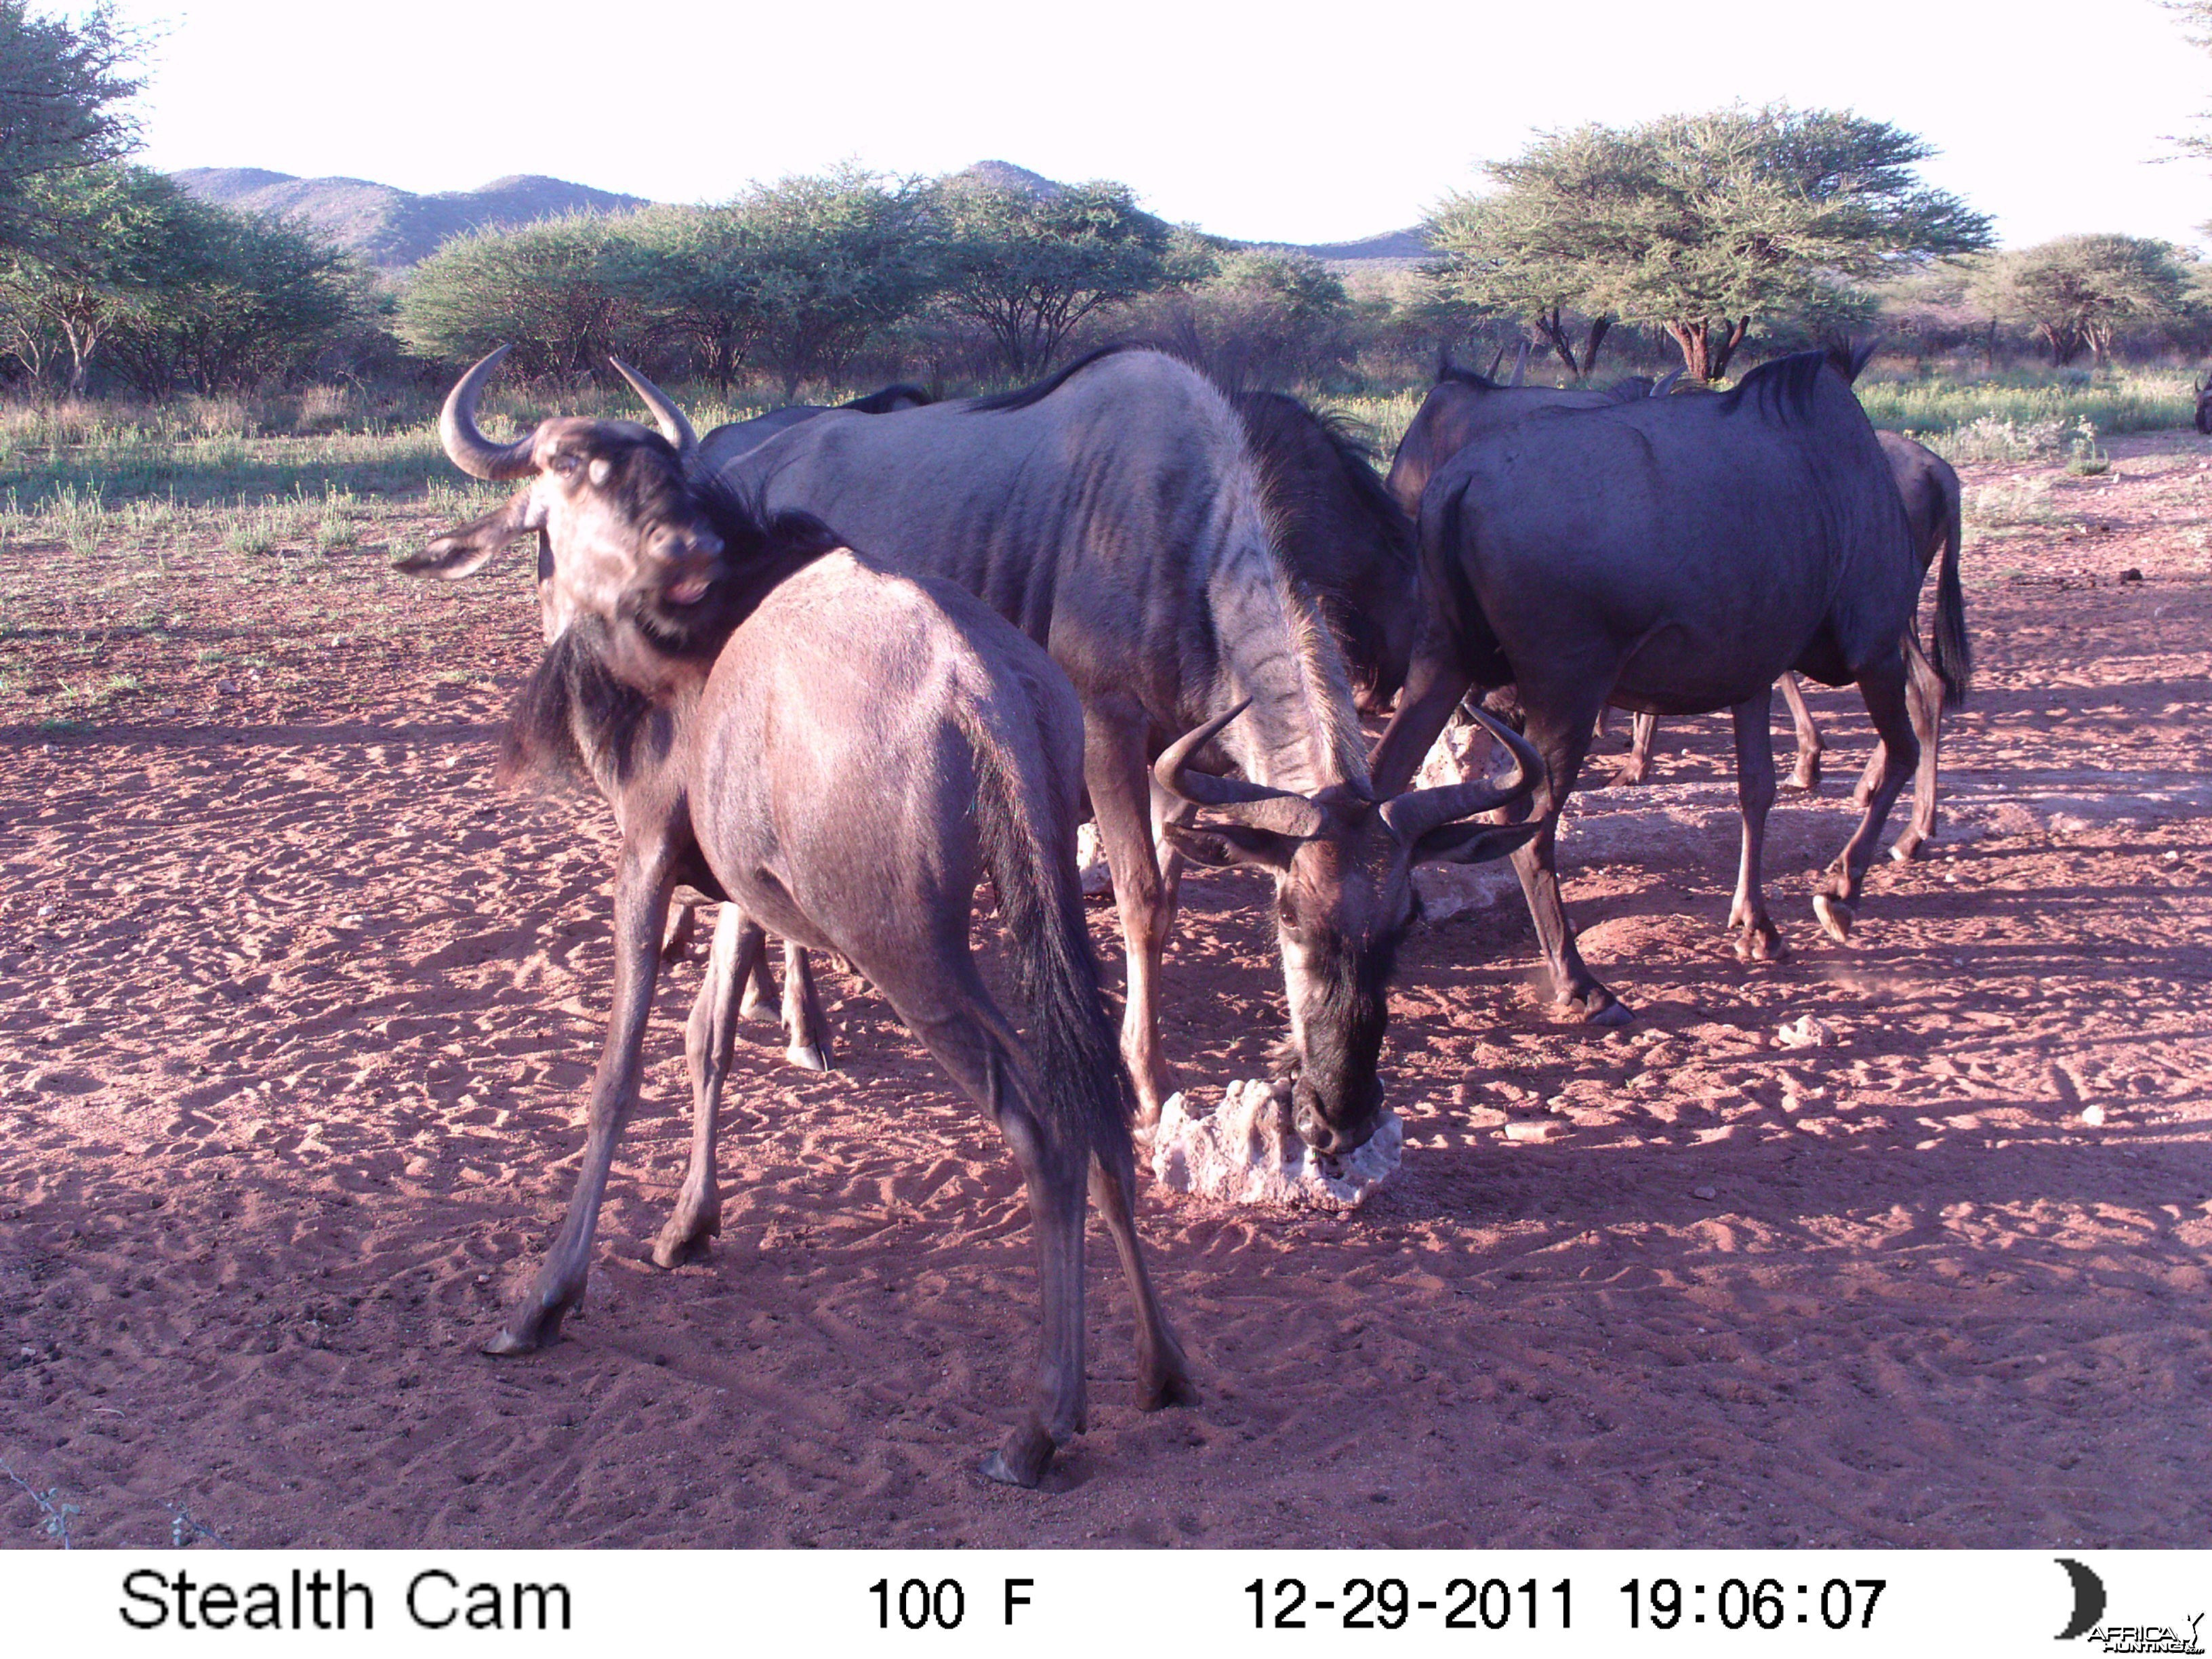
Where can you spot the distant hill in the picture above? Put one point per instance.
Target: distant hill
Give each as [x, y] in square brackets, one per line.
[391, 229]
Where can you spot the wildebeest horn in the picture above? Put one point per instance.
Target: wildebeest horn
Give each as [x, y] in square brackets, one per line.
[1521, 367]
[673, 426]
[1667, 384]
[468, 449]
[1494, 362]
[1413, 814]
[1255, 804]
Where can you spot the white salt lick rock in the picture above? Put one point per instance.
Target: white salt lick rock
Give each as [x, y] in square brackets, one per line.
[1246, 1151]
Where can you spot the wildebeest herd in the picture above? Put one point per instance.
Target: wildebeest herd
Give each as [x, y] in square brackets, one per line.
[832, 666]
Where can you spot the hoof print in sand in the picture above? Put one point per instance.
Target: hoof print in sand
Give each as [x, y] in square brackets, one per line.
[1246, 1151]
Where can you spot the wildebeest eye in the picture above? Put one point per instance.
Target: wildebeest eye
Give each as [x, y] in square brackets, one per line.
[565, 465]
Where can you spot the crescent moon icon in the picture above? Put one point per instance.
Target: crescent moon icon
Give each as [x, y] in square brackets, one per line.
[2088, 1599]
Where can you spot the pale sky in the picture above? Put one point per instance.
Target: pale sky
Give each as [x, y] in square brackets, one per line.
[1276, 122]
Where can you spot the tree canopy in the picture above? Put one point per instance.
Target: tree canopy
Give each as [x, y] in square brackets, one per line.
[62, 84]
[2078, 292]
[1702, 225]
[1030, 266]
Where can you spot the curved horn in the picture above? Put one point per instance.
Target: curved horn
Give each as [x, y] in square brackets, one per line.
[1521, 367]
[1494, 363]
[666, 416]
[1667, 384]
[1255, 804]
[468, 449]
[1413, 814]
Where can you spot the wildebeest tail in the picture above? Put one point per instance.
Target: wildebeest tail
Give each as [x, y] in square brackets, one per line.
[1459, 615]
[1955, 656]
[1074, 1060]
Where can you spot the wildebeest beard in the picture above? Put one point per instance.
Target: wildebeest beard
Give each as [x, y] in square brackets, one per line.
[1347, 1010]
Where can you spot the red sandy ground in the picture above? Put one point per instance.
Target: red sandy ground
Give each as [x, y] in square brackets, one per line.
[296, 1014]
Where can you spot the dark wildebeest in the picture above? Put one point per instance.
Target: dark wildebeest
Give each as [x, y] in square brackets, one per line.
[1341, 533]
[2204, 406]
[1464, 405]
[724, 444]
[1115, 514]
[1932, 506]
[842, 752]
[1674, 554]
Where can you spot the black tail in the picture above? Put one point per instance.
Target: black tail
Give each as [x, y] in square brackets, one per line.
[1075, 1070]
[1955, 656]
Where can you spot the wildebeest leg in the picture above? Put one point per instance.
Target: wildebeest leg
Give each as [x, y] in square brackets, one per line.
[1052, 1171]
[1562, 736]
[1755, 785]
[1163, 1373]
[1837, 896]
[1924, 697]
[1643, 734]
[1434, 686]
[759, 1002]
[708, 1039]
[1120, 782]
[682, 928]
[643, 877]
[806, 1032]
[1806, 774]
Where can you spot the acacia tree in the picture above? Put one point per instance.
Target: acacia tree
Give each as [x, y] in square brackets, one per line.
[251, 299]
[1704, 225]
[62, 84]
[1525, 250]
[2078, 292]
[553, 289]
[117, 240]
[1028, 266]
[694, 272]
[825, 263]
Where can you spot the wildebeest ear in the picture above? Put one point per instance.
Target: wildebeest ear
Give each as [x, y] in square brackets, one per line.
[1471, 844]
[462, 551]
[1224, 844]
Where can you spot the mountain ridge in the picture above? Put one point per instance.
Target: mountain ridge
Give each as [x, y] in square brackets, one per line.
[390, 229]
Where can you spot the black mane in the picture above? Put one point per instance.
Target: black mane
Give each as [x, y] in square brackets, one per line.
[1783, 389]
[1027, 395]
[889, 399]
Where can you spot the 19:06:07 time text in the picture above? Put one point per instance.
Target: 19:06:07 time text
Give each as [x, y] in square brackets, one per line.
[1769, 1604]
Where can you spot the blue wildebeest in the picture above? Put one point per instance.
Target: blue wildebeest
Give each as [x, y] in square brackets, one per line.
[1932, 506]
[1673, 555]
[2204, 406]
[842, 752]
[1115, 514]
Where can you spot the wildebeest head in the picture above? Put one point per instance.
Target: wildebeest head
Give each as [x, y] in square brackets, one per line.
[1344, 898]
[623, 531]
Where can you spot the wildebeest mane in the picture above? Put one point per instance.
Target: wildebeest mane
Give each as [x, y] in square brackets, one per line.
[1782, 388]
[888, 399]
[1026, 395]
[1449, 370]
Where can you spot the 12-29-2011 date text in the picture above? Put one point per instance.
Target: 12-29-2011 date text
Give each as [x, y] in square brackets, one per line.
[1465, 1603]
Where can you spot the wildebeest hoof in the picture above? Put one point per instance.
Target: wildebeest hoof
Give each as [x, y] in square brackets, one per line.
[1761, 945]
[1023, 1460]
[1599, 1006]
[807, 1057]
[1175, 1389]
[1908, 848]
[684, 1241]
[756, 1006]
[505, 1344]
[1835, 916]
